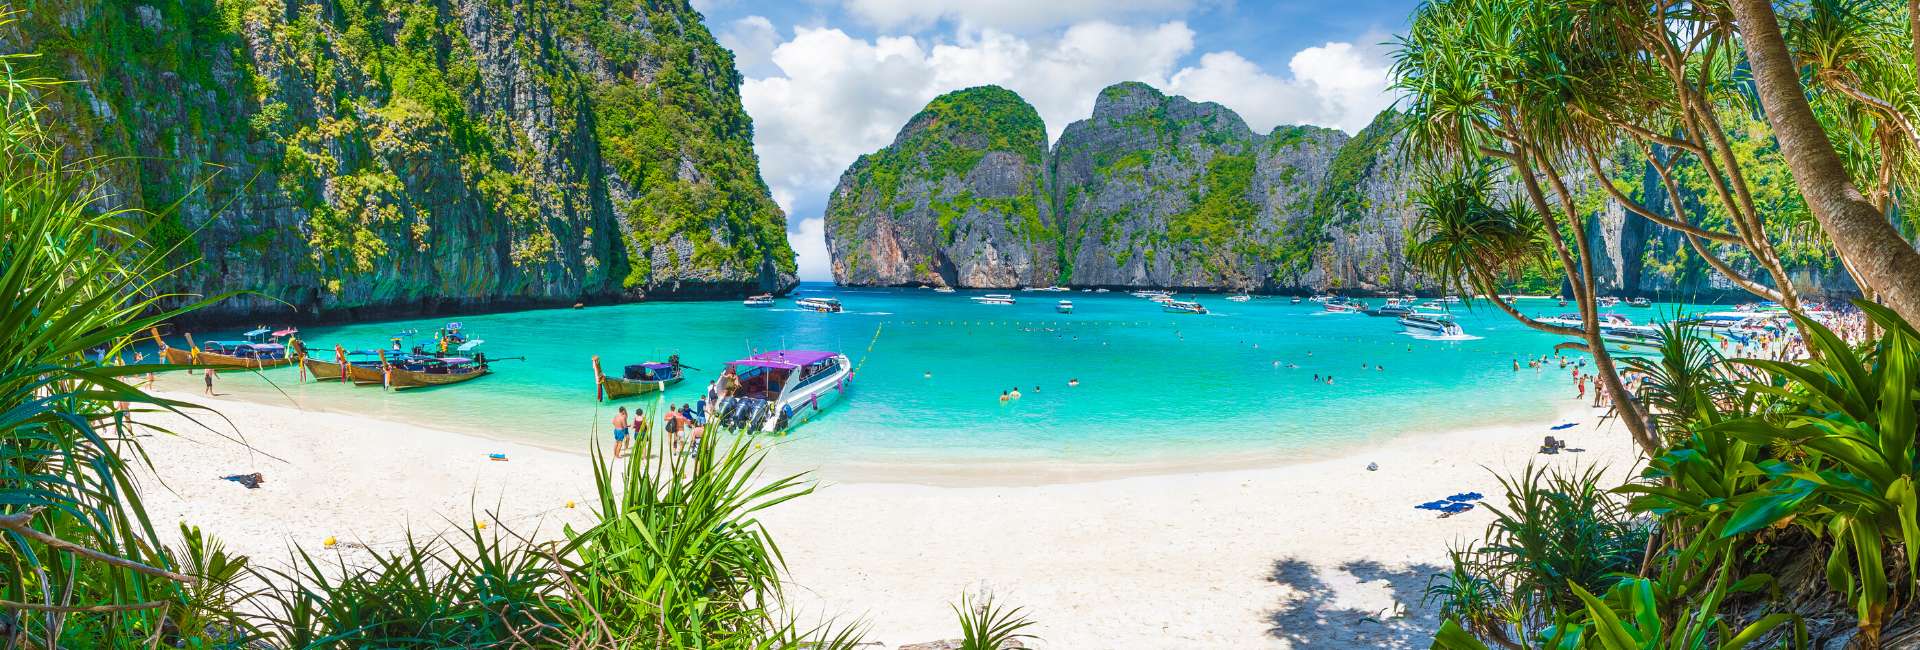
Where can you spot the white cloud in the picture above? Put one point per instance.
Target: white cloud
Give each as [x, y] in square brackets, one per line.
[1012, 15]
[752, 40]
[1336, 84]
[810, 249]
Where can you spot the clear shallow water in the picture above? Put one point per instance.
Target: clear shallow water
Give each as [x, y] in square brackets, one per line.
[1154, 387]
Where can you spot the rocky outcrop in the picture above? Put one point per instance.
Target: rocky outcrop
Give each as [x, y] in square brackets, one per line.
[353, 159]
[958, 199]
[1158, 191]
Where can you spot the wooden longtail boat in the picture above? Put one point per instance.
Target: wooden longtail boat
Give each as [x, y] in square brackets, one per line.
[420, 372]
[638, 379]
[225, 354]
[343, 367]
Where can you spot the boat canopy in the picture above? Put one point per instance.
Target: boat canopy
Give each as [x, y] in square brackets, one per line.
[649, 371]
[284, 332]
[258, 332]
[785, 359]
[266, 347]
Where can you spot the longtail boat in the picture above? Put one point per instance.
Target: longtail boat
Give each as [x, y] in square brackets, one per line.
[230, 354]
[359, 366]
[420, 372]
[637, 379]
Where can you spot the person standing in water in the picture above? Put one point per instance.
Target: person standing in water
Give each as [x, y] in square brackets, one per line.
[620, 432]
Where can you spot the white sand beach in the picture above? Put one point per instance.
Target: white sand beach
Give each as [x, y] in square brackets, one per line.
[1320, 554]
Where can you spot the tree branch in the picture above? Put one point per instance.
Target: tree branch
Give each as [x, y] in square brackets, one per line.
[1727, 270]
[21, 523]
[82, 609]
[1637, 208]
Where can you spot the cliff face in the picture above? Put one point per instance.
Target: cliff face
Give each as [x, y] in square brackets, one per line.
[1158, 191]
[1151, 191]
[361, 157]
[958, 199]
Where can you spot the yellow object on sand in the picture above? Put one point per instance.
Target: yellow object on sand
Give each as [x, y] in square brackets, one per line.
[328, 542]
[569, 505]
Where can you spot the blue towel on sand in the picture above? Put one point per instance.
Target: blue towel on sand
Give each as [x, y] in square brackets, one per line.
[1467, 496]
[1565, 425]
[1433, 505]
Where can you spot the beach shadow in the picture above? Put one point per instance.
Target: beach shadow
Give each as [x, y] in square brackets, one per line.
[1360, 604]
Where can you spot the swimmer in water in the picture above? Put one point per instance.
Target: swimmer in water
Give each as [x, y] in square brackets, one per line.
[929, 374]
[1073, 382]
[1003, 397]
[1015, 394]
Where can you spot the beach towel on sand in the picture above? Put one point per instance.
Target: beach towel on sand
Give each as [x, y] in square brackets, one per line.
[251, 481]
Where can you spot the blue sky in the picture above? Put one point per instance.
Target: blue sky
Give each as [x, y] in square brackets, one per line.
[829, 80]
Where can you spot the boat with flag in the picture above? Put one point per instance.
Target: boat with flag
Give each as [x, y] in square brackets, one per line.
[361, 367]
[422, 371]
[637, 379]
[260, 349]
[777, 390]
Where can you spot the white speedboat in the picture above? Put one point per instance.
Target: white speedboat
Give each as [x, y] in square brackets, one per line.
[762, 300]
[1064, 307]
[994, 299]
[1182, 307]
[1394, 308]
[778, 390]
[1296, 300]
[1239, 298]
[943, 289]
[1607, 301]
[1342, 305]
[1430, 321]
[822, 305]
[1451, 300]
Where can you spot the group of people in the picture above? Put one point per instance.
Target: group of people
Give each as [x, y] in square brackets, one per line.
[685, 425]
[1014, 393]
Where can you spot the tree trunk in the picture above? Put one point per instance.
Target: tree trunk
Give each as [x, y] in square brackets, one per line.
[1864, 236]
[1913, 25]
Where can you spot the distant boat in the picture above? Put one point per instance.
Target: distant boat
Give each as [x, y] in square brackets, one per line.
[1394, 308]
[1100, 290]
[1341, 305]
[1182, 307]
[1451, 300]
[1064, 307]
[943, 289]
[1321, 297]
[638, 379]
[762, 300]
[778, 390]
[1296, 300]
[822, 305]
[1607, 301]
[1640, 302]
[1431, 321]
[1239, 298]
[994, 299]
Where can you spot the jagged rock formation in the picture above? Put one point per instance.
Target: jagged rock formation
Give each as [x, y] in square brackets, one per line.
[1158, 191]
[398, 156]
[1151, 191]
[958, 199]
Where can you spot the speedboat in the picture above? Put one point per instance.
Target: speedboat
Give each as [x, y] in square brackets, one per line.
[1430, 321]
[1343, 305]
[1640, 302]
[1607, 319]
[1321, 297]
[1182, 307]
[1064, 307]
[1632, 338]
[1394, 308]
[1296, 300]
[1100, 290]
[822, 305]
[762, 300]
[1451, 300]
[994, 299]
[1607, 301]
[943, 289]
[778, 390]
[1239, 298]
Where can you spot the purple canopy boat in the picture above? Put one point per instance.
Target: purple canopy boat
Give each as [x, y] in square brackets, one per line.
[778, 390]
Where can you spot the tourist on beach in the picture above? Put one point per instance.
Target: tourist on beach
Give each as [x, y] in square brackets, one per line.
[209, 377]
[620, 432]
[673, 431]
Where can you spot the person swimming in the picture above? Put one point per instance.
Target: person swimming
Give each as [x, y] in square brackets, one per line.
[1003, 397]
[1015, 394]
[1073, 382]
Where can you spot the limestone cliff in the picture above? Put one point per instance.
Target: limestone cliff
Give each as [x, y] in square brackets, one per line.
[958, 199]
[366, 157]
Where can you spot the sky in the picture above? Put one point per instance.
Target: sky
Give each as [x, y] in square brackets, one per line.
[830, 80]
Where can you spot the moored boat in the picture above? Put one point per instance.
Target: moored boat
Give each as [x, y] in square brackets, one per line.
[822, 305]
[1430, 321]
[1343, 305]
[1642, 303]
[943, 289]
[258, 352]
[638, 379]
[1182, 307]
[762, 300]
[1239, 298]
[426, 371]
[1607, 301]
[1064, 307]
[1393, 308]
[357, 366]
[777, 390]
[994, 299]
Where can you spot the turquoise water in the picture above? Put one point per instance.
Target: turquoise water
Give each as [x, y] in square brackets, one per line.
[1153, 386]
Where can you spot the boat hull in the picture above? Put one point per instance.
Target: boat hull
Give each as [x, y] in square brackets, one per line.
[616, 387]
[184, 357]
[401, 378]
[330, 371]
